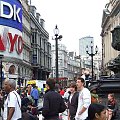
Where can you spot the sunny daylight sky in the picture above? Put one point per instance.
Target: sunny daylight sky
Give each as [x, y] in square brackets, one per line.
[75, 19]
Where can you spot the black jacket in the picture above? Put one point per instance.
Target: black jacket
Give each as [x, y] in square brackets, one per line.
[74, 104]
[53, 104]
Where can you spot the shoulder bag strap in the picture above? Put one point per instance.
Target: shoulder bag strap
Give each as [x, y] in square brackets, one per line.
[17, 100]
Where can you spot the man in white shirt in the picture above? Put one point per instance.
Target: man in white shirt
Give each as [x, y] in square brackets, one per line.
[84, 100]
[12, 105]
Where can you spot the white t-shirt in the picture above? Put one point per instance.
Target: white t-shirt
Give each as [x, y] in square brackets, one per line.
[70, 97]
[84, 99]
[12, 101]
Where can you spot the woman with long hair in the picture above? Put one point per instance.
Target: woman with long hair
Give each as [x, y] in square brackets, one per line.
[73, 101]
[97, 112]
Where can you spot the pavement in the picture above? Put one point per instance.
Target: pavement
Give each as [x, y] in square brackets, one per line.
[64, 116]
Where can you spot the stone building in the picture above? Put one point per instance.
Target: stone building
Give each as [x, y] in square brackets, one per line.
[110, 19]
[68, 65]
[41, 47]
[62, 63]
[25, 68]
[24, 46]
[15, 43]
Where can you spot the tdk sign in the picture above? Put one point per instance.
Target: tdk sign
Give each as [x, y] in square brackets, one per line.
[11, 13]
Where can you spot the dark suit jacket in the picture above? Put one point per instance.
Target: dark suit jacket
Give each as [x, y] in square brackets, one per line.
[53, 104]
[74, 104]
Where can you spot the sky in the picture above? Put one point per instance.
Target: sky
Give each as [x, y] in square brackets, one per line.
[75, 19]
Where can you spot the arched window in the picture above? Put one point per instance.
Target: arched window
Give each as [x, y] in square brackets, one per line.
[12, 69]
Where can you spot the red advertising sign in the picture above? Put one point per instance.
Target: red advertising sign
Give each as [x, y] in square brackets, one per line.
[14, 41]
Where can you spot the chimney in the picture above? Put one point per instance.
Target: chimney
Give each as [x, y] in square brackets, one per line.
[38, 17]
[33, 10]
[42, 22]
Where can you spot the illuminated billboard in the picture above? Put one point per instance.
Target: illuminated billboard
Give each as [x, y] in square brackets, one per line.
[11, 43]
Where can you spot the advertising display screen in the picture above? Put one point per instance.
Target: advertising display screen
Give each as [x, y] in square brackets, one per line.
[11, 43]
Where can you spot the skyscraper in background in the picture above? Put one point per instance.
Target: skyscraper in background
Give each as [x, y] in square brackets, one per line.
[83, 42]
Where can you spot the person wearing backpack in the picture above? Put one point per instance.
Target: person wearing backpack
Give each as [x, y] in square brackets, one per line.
[53, 103]
[73, 101]
[12, 105]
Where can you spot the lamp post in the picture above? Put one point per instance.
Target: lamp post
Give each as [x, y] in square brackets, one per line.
[57, 37]
[1, 76]
[92, 55]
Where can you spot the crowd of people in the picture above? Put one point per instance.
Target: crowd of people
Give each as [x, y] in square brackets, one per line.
[78, 101]
[90, 104]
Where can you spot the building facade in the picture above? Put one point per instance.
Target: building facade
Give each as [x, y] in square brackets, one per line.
[62, 63]
[86, 63]
[73, 66]
[12, 41]
[41, 47]
[110, 19]
[68, 65]
[83, 42]
[24, 46]
[25, 68]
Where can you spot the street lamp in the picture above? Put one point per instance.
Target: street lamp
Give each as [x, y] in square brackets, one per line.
[57, 37]
[92, 54]
[1, 76]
